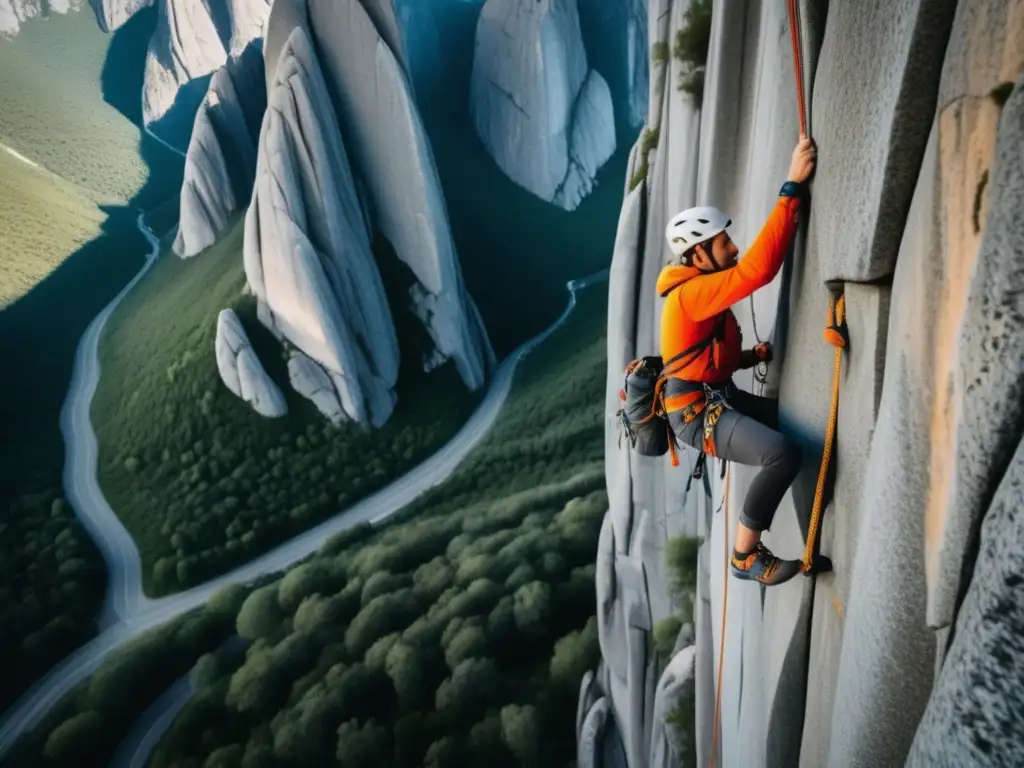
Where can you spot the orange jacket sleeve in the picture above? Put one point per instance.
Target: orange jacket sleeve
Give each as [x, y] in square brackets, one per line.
[707, 295]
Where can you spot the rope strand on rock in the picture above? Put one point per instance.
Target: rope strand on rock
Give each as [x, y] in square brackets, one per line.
[760, 369]
[793, 10]
[835, 334]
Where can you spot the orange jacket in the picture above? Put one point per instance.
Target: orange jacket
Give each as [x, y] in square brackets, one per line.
[696, 302]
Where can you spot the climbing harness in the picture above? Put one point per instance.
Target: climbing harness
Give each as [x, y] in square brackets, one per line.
[711, 406]
[837, 335]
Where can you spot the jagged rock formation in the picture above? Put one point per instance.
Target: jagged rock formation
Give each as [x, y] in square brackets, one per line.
[675, 686]
[14, 12]
[547, 122]
[315, 384]
[389, 147]
[193, 39]
[220, 165]
[307, 248]
[909, 651]
[111, 14]
[591, 732]
[241, 371]
[615, 35]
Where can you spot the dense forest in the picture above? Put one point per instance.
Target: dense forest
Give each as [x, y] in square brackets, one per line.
[200, 481]
[59, 113]
[455, 635]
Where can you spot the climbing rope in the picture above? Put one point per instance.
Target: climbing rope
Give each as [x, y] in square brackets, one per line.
[760, 369]
[835, 332]
[793, 11]
[836, 335]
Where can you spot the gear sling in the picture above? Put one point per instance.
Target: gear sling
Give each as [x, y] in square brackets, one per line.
[643, 416]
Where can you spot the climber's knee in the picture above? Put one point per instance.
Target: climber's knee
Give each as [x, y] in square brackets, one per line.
[780, 463]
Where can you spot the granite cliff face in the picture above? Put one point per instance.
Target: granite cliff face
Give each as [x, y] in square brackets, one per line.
[241, 371]
[192, 40]
[373, 98]
[909, 651]
[307, 248]
[342, 159]
[544, 116]
[111, 14]
[615, 36]
[220, 164]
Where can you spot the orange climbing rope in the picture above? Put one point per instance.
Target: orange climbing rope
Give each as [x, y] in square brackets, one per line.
[793, 9]
[838, 307]
[835, 334]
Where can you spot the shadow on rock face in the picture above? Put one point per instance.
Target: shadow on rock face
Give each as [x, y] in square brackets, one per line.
[786, 719]
[123, 79]
[175, 126]
[125, 66]
[812, 448]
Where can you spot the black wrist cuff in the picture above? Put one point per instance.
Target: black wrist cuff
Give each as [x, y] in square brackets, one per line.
[790, 189]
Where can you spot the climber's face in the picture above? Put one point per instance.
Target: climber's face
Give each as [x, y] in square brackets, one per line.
[718, 253]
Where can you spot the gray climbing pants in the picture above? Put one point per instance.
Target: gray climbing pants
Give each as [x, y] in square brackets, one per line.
[748, 433]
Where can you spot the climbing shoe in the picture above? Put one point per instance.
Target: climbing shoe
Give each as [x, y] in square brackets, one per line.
[761, 565]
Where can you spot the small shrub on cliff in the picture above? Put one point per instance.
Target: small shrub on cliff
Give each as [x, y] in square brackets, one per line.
[648, 141]
[659, 52]
[691, 48]
[681, 557]
[665, 633]
[682, 726]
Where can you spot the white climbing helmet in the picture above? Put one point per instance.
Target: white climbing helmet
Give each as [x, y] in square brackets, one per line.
[694, 226]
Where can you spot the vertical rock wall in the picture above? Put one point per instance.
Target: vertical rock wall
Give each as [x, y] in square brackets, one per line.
[646, 502]
[372, 96]
[192, 40]
[545, 117]
[915, 211]
[220, 164]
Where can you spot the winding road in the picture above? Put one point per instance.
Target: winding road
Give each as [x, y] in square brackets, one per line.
[127, 611]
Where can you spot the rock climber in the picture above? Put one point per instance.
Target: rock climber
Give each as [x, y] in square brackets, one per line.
[701, 348]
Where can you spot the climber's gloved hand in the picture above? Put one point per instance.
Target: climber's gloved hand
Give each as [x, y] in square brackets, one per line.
[804, 157]
[762, 353]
